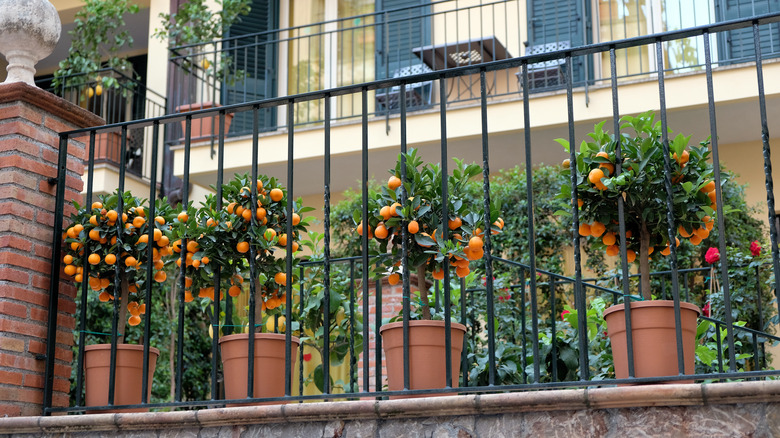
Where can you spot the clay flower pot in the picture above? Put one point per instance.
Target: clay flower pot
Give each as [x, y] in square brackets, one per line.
[427, 368]
[269, 364]
[129, 375]
[204, 127]
[654, 339]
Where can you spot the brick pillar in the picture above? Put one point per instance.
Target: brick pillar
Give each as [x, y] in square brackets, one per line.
[30, 119]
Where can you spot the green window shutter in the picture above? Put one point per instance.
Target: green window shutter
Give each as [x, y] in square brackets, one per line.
[255, 54]
[738, 45]
[398, 32]
[552, 22]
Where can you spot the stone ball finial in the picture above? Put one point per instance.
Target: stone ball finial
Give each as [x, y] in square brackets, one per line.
[29, 30]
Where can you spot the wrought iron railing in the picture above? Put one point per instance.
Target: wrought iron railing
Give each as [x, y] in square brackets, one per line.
[533, 293]
[128, 99]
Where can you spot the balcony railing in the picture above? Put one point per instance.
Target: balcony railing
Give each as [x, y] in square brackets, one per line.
[531, 300]
[445, 34]
[129, 100]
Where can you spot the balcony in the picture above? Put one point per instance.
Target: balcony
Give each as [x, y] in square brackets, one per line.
[127, 100]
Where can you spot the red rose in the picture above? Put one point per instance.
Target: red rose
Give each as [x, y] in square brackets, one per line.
[712, 255]
[563, 315]
[707, 310]
[307, 357]
[755, 248]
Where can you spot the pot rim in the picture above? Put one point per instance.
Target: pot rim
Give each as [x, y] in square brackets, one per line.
[652, 303]
[422, 323]
[135, 347]
[270, 336]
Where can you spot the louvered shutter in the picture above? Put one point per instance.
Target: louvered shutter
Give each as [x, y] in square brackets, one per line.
[398, 32]
[551, 24]
[255, 54]
[738, 45]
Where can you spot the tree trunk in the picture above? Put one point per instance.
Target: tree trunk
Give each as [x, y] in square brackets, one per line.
[172, 315]
[425, 307]
[258, 308]
[124, 288]
[644, 261]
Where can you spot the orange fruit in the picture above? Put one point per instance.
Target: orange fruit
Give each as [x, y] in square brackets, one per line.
[566, 163]
[234, 291]
[393, 182]
[276, 195]
[177, 246]
[192, 246]
[413, 227]
[261, 213]
[205, 260]
[609, 167]
[111, 215]
[359, 229]
[386, 212]
[68, 259]
[597, 229]
[92, 220]
[210, 222]
[187, 282]
[104, 296]
[438, 274]
[247, 214]
[143, 238]
[163, 241]
[296, 219]
[70, 270]
[394, 207]
[159, 264]
[393, 279]
[462, 271]
[242, 247]
[160, 276]
[595, 176]
[702, 232]
[93, 259]
[282, 240]
[609, 239]
[239, 210]
[188, 296]
[134, 320]
[269, 234]
[381, 231]
[97, 205]
[104, 283]
[709, 187]
[454, 224]
[160, 220]
[630, 255]
[140, 211]
[475, 254]
[476, 243]
[110, 259]
[666, 251]
[231, 207]
[280, 278]
[183, 217]
[683, 232]
[157, 235]
[585, 230]
[695, 239]
[94, 283]
[139, 222]
[130, 261]
[613, 250]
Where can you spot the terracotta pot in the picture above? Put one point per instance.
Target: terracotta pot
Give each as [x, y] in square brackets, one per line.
[427, 368]
[269, 364]
[654, 339]
[129, 375]
[205, 127]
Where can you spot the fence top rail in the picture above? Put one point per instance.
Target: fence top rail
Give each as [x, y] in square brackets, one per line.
[441, 74]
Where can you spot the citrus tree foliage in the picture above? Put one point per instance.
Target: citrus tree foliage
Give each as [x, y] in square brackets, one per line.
[409, 210]
[98, 35]
[104, 244]
[218, 238]
[641, 184]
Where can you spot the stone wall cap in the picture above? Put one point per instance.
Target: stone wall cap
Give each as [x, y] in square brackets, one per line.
[50, 103]
[704, 394]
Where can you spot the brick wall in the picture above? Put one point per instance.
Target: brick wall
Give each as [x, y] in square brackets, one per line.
[29, 149]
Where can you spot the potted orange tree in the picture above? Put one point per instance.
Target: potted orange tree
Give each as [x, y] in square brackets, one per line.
[101, 246]
[641, 185]
[217, 240]
[409, 210]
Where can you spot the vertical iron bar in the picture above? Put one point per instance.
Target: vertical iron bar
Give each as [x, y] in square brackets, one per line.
[326, 225]
[464, 354]
[770, 196]
[553, 317]
[366, 231]
[404, 245]
[523, 325]
[724, 265]
[253, 223]
[149, 263]
[672, 230]
[377, 338]
[352, 382]
[289, 262]
[579, 292]
[530, 212]
[621, 215]
[719, 342]
[84, 285]
[59, 207]
[445, 228]
[217, 273]
[185, 192]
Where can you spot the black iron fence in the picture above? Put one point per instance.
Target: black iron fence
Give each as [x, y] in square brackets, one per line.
[338, 304]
